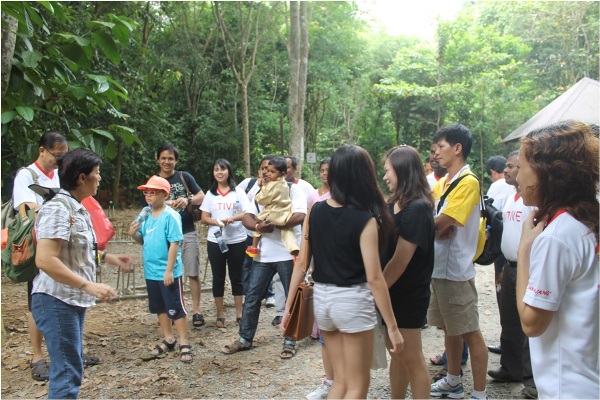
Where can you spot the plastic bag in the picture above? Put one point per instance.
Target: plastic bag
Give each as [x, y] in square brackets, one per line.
[379, 349]
[103, 228]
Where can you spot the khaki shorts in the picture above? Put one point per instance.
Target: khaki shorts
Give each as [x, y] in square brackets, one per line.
[454, 305]
[190, 254]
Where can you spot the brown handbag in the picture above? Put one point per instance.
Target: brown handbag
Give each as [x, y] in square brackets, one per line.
[301, 319]
[193, 209]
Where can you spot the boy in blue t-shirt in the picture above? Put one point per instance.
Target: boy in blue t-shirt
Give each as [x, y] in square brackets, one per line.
[160, 234]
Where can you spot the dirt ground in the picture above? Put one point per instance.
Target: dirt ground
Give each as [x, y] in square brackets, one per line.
[120, 332]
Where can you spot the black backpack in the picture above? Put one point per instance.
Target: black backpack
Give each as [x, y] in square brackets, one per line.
[491, 220]
[493, 232]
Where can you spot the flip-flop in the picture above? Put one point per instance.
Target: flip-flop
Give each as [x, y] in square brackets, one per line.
[221, 323]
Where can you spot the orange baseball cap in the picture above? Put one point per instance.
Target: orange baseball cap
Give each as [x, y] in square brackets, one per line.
[157, 183]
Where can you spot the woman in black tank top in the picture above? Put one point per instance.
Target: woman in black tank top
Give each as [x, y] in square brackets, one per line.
[347, 233]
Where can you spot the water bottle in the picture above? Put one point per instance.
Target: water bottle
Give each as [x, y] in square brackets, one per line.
[238, 208]
[141, 217]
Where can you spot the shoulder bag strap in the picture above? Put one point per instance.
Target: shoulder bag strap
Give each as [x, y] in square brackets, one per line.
[187, 190]
[305, 250]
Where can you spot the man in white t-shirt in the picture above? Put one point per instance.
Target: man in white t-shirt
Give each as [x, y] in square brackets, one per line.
[292, 166]
[273, 258]
[251, 187]
[515, 361]
[499, 191]
[438, 170]
[52, 145]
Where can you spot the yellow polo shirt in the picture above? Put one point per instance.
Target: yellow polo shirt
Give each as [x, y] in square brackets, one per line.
[454, 256]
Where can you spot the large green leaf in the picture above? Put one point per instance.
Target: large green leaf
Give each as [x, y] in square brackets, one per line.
[76, 53]
[78, 91]
[108, 46]
[104, 133]
[31, 58]
[97, 78]
[8, 116]
[80, 40]
[25, 112]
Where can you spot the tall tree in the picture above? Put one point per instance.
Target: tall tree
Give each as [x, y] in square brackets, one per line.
[241, 53]
[298, 47]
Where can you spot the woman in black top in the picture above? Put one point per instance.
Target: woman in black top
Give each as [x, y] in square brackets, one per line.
[408, 272]
[344, 239]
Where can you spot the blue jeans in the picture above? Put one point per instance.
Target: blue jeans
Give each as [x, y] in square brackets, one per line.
[259, 278]
[463, 359]
[62, 326]
[246, 273]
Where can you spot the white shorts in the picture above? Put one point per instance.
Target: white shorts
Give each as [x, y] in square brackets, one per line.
[346, 309]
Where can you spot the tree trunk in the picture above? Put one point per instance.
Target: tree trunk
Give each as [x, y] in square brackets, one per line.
[245, 129]
[9, 38]
[117, 182]
[298, 55]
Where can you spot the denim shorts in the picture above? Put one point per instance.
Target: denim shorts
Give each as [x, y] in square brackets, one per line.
[348, 309]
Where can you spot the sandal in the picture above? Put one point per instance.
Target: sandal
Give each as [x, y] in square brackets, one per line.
[221, 323]
[197, 320]
[437, 360]
[88, 360]
[443, 373]
[235, 347]
[161, 352]
[185, 356]
[288, 351]
[39, 370]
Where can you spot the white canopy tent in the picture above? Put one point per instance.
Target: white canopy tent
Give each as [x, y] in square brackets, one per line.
[581, 102]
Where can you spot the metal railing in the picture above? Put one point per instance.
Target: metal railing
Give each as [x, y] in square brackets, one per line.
[126, 284]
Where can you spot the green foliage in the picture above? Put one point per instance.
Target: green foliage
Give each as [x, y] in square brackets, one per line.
[51, 86]
[124, 77]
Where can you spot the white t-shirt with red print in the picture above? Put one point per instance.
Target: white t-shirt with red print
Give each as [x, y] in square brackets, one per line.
[564, 279]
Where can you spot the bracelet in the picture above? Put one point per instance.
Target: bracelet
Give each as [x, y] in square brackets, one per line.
[256, 228]
[83, 284]
[103, 256]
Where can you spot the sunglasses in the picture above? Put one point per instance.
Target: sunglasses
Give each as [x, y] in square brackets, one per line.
[151, 192]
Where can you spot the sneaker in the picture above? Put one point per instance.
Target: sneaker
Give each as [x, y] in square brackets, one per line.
[270, 302]
[319, 393]
[443, 389]
[251, 251]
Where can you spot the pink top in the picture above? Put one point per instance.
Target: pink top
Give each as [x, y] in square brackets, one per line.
[314, 197]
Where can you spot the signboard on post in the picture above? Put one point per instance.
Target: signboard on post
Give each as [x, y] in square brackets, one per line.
[311, 158]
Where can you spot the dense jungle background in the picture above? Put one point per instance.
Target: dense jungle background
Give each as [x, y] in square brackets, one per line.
[241, 79]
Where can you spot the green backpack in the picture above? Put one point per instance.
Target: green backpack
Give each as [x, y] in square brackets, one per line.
[18, 257]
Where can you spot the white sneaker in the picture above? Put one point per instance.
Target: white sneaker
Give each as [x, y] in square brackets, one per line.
[319, 393]
[270, 302]
[442, 388]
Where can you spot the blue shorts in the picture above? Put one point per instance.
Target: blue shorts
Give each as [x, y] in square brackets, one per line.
[166, 299]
